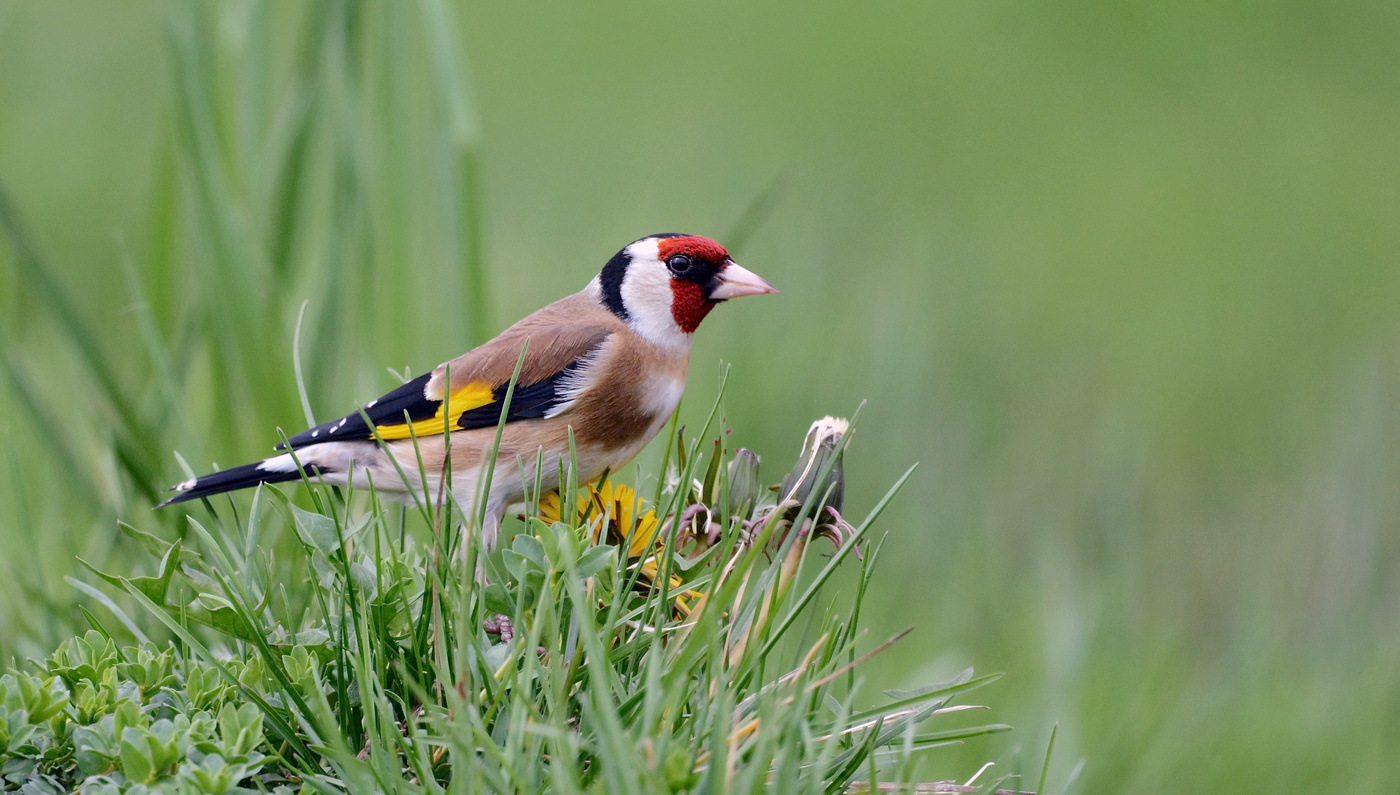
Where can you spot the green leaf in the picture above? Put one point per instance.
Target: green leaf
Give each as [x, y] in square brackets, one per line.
[941, 695]
[497, 598]
[515, 564]
[530, 548]
[904, 695]
[153, 544]
[1045, 767]
[961, 734]
[222, 619]
[153, 587]
[710, 484]
[594, 560]
[136, 760]
[127, 715]
[317, 530]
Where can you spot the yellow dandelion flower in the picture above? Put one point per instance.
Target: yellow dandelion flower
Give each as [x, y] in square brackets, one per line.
[613, 513]
[616, 503]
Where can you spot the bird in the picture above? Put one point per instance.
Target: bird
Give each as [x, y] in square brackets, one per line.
[606, 365]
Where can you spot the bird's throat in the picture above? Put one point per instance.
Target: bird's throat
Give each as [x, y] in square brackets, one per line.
[689, 305]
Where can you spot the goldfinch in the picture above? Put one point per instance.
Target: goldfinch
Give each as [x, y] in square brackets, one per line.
[608, 362]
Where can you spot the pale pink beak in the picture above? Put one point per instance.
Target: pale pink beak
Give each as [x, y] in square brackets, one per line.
[736, 282]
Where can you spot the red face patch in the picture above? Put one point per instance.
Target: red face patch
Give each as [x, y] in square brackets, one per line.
[688, 304]
[694, 245]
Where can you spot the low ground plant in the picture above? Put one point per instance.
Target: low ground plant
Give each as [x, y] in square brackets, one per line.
[690, 642]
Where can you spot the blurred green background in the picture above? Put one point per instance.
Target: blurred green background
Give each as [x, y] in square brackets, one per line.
[1125, 278]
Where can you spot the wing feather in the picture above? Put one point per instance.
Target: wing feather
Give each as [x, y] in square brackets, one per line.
[389, 409]
[558, 354]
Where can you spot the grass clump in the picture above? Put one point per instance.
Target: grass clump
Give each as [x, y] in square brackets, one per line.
[384, 660]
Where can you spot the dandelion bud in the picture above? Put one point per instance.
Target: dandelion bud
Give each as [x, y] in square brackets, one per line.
[823, 442]
[743, 484]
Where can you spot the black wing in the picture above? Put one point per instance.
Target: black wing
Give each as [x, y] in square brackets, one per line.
[387, 410]
[475, 406]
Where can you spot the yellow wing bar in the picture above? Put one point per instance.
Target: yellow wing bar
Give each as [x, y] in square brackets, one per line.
[472, 396]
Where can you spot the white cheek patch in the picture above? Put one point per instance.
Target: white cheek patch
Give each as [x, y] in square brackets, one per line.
[646, 292]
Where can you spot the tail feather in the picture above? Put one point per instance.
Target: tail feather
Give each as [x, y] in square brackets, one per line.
[240, 477]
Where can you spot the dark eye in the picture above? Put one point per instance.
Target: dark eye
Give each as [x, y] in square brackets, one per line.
[679, 264]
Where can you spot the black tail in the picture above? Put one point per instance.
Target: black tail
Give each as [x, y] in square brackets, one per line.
[231, 480]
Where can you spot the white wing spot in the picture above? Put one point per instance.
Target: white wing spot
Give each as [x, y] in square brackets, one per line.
[371, 404]
[315, 433]
[186, 486]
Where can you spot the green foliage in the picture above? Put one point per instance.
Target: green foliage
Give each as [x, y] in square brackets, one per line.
[1122, 276]
[131, 720]
[402, 671]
